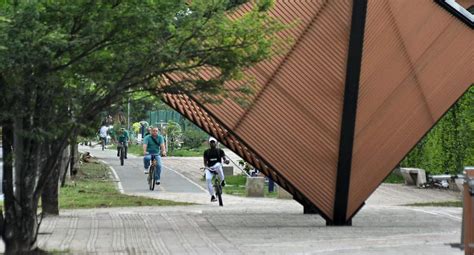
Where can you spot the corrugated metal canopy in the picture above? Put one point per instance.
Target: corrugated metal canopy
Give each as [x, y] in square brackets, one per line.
[416, 62]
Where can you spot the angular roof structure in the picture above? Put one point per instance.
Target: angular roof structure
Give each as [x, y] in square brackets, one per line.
[363, 82]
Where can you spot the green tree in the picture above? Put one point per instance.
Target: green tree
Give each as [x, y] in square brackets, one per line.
[141, 103]
[62, 64]
[174, 135]
[194, 138]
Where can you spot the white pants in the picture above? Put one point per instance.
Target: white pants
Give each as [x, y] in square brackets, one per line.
[218, 169]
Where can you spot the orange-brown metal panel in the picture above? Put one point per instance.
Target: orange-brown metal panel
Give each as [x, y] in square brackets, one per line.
[306, 86]
[468, 215]
[417, 61]
[295, 123]
[209, 124]
[300, 14]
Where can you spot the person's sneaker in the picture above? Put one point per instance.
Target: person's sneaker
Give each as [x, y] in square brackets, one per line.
[145, 171]
[213, 198]
[223, 183]
[157, 182]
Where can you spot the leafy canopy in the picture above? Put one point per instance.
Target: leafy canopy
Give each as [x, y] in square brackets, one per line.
[79, 57]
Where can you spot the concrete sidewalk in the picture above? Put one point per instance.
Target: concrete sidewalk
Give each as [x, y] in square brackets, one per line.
[255, 226]
[252, 228]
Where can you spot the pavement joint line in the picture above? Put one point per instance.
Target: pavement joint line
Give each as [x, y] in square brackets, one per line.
[437, 214]
[191, 181]
[117, 178]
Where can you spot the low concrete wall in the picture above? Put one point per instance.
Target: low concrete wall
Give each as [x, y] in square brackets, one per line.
[255, 187]
[228, 170]
[283, 194]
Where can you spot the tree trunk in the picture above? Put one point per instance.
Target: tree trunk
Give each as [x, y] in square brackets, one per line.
[50, 194]
[74, 157]
[23, 184]
[15, 236]
[27, 162]
[63, 171]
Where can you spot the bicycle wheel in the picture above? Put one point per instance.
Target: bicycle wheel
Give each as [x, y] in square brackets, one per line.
[151, 177]
[218, 189]
[148, 176]
[121, 156]
[102, 142]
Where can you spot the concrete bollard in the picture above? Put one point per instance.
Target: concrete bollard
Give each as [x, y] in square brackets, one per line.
[228, 170]
[283, 194]
[255, 187]
[413, 176]
[459, 182]
[467, 237]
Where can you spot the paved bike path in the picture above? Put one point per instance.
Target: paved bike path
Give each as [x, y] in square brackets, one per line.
[133, 180]
[243, 225]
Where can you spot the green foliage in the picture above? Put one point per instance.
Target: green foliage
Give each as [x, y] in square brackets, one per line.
[394, 178]
[195, 152]
[449, 146]
[245, 166]
[136, 127]
[142, 102]
[82, 58]
[194, 138]
[137, 149]
[174, 133]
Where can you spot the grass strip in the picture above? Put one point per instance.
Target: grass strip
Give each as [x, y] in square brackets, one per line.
[93, 187]
[235, 185]
[439, 204]
[137, 149]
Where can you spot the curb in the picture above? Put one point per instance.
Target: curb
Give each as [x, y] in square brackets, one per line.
[116, 177]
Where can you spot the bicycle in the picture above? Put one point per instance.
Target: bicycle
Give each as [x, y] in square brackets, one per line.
[121, 147]
[151, 173]
[216, 184]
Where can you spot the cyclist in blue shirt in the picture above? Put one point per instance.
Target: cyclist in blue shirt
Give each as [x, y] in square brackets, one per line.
[153, 144]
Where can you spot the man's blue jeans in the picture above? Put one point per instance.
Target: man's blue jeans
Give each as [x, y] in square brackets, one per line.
[146, 161]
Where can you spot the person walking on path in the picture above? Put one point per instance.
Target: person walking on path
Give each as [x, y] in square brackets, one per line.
[103, 135]
[213, 163]
[154, 145]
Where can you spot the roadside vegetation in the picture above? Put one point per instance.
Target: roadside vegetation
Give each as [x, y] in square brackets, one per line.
[394, 178]
[93, 187]
[439, 204]
[137, 149]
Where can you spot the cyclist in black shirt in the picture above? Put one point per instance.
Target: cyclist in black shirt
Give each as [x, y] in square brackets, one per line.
[213, 159]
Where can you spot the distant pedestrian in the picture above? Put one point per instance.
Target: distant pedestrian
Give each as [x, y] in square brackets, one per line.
[103, 135]
[148, 131]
